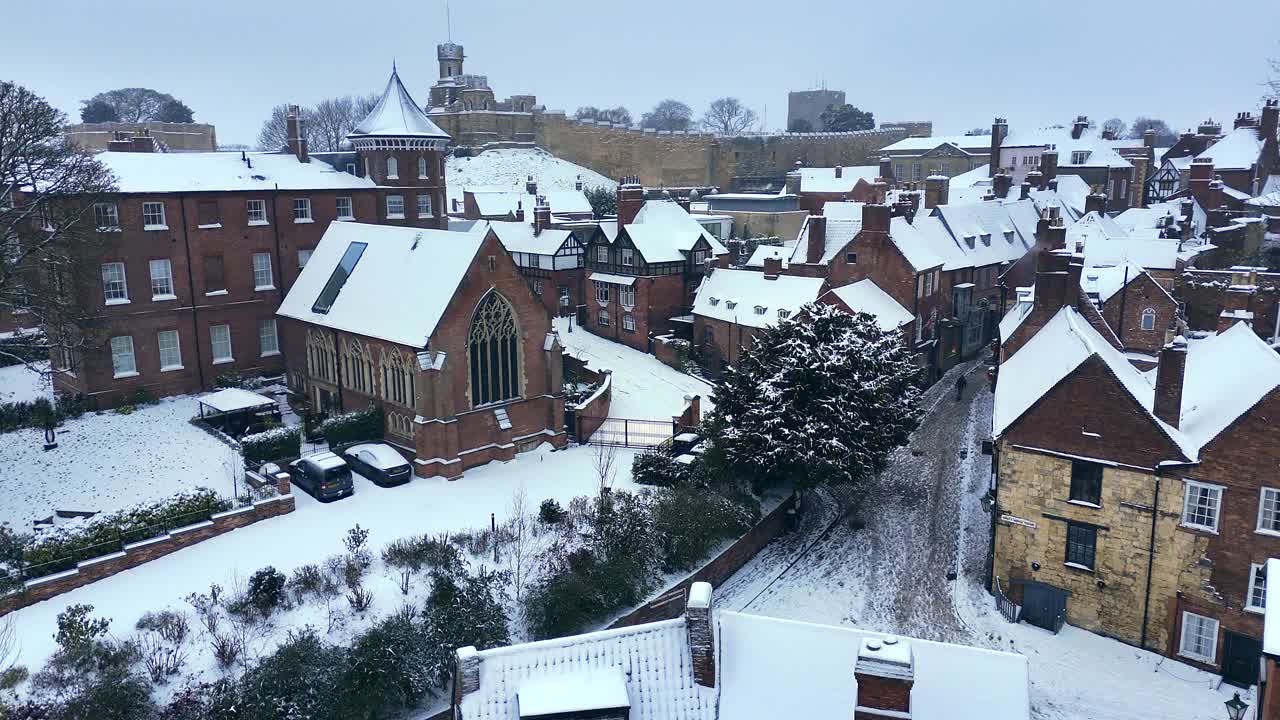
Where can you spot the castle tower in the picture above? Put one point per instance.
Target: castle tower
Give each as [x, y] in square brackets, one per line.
[402, 151]
[450, 56]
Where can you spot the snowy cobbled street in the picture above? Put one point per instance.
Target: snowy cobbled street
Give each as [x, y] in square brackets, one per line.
[884, 564]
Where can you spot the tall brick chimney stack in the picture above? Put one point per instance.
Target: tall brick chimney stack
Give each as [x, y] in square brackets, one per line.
[1024, 192]
[936, 189]
[793, 180]
[1169, 376]
[1210, 128]
[1149, 138]
[816, 244]
[1002, 183]
[879, 191]
[1048, 167]
[541, 215]
[999, 130]
[630, 200]
[1052, 277]
[1201, 178]
[466, 672]
[1244, 119]
[1269, 122]
[772, 267]
[1095, 202]
[530, 186]
[1079, 126]
[839, 171]
[297, 138]
[885, 674]
[702, 648]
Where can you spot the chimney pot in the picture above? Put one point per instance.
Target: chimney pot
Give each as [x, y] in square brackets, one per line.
[885, 674]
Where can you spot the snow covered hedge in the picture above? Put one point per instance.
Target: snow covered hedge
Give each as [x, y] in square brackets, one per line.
[270, 445]
[354, 427]
[61, 548]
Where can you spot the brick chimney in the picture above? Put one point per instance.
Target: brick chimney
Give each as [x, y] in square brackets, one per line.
[297, 140]
[1201, 177]
[1149, 138]
[1052, 184]
[886, 169]
[1209, 128]
[936, 189]
[630, 200]
[879, 191]
[1079, 126]
[1048, 167]
[577, 184]
[793, 180]
[1236, 304]
[1169, 376]
[1095, 202]
[1051, 284]
[466, 672]
[1267, 126]
[839, 171]
[1244, 119]
[875, 218]
[1035, 178]
[1002, 183]
[519, 211]
[817, 240]
[1051, 230]
[999, 130]
[885, 674]
[530, 186]
[684, 202]
[541, 215]
[697, 620]
[1024, 191]
[772, 267]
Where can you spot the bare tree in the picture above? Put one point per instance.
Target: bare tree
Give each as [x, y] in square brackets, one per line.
[8, 644]
[274, 134]
[520, 545]
[48, 235]
[1273, 77]
[604, 459]
[728, 116]
[1115, 126]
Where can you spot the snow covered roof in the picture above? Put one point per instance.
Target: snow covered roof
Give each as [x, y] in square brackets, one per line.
[769, 251]
[1001, 231]
[824, 180]
[1053, 353]
[747, 298]
[573, 692]
[839, 232]
[968, 143]
[1100, 250]
[1135, 220]
[519, 237]
[842, 210]
[865, 296]
[223, 172]
[396, 115]
[1105, 282]
[1018, 312]
[1270, 195]
[917, 247]
[773, 668]
[1070, 196]
[968, 179]
[493, 201]
[232, 399]
[1226, 374]
[398, 287]
[508, 169]
[612, 279]
[1237, 150]
[1099, 152]
[653, 658]
[667, 218]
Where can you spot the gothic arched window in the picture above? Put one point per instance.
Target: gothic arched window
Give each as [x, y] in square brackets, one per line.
[493, 347]
[422, 167]
[397, 378]
[393, 168]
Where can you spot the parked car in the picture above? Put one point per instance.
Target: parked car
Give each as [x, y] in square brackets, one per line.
[379, 463]
[324, 476]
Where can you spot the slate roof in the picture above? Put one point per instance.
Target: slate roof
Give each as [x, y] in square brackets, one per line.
[397, 115]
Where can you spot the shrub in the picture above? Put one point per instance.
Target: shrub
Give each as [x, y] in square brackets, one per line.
[464, 610]
[171, 626]
[359, 598]
[230, 379]
[38, 413]
[690, 522]
[653, 467]
[226, 648]
[388, 668]
[77, 629]
[266, 590]
[13, 676]
[307, 581]
[270, 445]
[354, 427]
[550, 512]
[299, 680]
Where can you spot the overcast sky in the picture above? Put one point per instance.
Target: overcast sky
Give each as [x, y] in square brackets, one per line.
[956, 63]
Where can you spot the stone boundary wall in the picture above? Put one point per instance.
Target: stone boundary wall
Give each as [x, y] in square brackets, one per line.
[670, 604]
[135, 554]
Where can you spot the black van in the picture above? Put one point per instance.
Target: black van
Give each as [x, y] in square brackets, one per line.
[324, 476]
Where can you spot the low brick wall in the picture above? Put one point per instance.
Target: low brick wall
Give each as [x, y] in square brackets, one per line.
[135, 554]
[670, 604]
[590, 414]
[664, 350]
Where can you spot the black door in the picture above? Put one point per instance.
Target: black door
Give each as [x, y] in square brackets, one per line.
[1042, 605]
[1240, 656]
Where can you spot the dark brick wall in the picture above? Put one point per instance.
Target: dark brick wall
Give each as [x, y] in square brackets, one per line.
[1140, 294]
[724, 346]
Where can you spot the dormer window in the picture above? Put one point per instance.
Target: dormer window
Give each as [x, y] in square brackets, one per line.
[715, 301]
[731, 304]
[783, 314]
[1079, 157]
[760, 309]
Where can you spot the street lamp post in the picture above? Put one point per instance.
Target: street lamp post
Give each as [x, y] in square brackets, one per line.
[1236, 707]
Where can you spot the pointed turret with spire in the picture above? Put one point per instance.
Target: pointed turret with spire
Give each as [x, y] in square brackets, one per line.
[403, 151]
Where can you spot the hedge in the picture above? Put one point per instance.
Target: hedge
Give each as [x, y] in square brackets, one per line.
[354, 427]
[34, 413]
[270, 445]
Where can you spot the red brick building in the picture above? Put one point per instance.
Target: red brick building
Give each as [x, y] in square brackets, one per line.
[644, 268]
[437, 327]
[551, 259]
[199, 248]
[733, 305]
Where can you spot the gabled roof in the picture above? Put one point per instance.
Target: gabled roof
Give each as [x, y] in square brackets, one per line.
[397, 115]
[971, 143]
[747, 290]
[840, 231]
[866, 296]
[824, 180]
[1237, 150]
[1105, 282]
[1226, 374]
[501, 201]
[519, 237]
[1100, 250]
[1056, 351]
[914, 245]
[769, 251]
[399, 288]
[842, 210]
[1008, 224]
[677, 223]
[223, 172]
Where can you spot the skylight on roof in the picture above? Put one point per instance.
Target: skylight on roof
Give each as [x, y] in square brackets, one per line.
[339, 277]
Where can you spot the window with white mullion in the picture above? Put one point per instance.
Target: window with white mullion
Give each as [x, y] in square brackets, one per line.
[1200, 506]
[170, 350]
[1269, 511]
[122, 360]
[114, 288]
[262, 278]
[1199, 639]
[1256, 597]
[161, 279]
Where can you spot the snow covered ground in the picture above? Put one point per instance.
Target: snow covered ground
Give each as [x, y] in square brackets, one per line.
[643, 387]
[510, 168]
[885, 567]
[312, 533]
[19, 383]
[106, 461]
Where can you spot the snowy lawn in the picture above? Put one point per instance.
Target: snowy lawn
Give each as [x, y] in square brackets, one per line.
[313, 533]
[19, 383]
[106, 461]
[510, 168]
[643, 387]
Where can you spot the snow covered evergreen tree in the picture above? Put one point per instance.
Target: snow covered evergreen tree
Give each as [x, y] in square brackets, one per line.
[821, 398]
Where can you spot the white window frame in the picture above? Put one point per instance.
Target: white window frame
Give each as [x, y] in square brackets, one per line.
[760, 309]
[302, 210]
[422, 167]
[268, 343]
[602, 254]
[537, 286]
[176, 348]
[424, 206]
[393, 214]
[1079, 157]
[1263, 494]
[1149, 313]
[214, 342]
[153, 210]
[1217, 490]
[162, 283]
[393, 168]
[602, 293]
[1256, 572]
[627, 296]
[347, 213]
[263, 279]
[629, 323]
[121, 297]
[304, 257]
[564, 296]
[255, 212]
[111, 212]
[628, 257]
[1193, 654]
[699, 257]
[118, 352]
[783, 313]
[602, 318]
